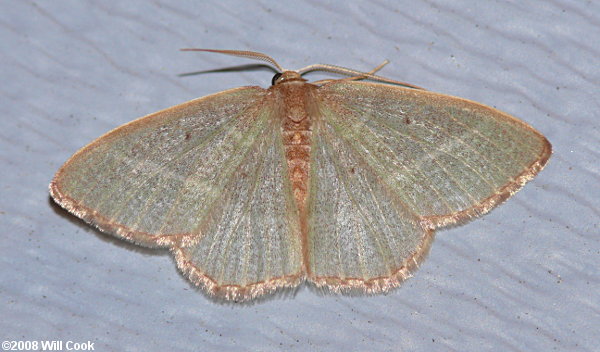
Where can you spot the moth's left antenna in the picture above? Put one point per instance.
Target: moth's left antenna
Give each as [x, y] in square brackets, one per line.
[242, 53]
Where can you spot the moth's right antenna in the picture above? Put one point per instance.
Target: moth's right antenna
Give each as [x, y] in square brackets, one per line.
[356, 75]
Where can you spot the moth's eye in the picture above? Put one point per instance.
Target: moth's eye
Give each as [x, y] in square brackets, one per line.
[275, 78]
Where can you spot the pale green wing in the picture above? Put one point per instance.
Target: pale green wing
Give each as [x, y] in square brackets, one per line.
[210, 169]
[405, 161]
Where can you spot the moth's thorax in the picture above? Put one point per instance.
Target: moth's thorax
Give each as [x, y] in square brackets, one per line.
[295, 100]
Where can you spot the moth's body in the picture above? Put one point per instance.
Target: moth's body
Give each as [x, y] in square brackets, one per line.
[295, 101]
[339, 183]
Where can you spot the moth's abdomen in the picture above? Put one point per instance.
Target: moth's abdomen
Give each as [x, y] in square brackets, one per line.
[297, 154]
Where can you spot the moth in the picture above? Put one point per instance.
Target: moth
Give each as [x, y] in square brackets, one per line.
[338, 182]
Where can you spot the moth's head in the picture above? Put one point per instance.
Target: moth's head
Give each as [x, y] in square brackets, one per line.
[286, 76]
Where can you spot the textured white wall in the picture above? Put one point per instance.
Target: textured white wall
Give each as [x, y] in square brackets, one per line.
[525, 277]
